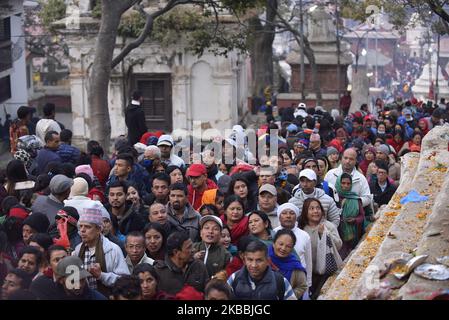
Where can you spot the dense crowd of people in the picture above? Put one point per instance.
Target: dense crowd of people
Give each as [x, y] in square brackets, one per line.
[148, 223]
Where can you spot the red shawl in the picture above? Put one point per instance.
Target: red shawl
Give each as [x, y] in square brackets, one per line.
[238, 230]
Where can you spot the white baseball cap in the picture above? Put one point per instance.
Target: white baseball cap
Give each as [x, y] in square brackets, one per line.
[308, 173]
[165, 140]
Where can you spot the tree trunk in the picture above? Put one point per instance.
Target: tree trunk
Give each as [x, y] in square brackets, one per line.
[99, 122]
[261, 49]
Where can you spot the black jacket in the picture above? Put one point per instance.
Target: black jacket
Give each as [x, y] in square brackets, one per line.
[135, 121]
[131, 221]
[382, 197]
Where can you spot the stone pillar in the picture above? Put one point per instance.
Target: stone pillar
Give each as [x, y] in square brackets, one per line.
[360, 90]
[116, 109]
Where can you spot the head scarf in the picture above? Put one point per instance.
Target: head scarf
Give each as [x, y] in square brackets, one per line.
[286, 265]
[350, 209]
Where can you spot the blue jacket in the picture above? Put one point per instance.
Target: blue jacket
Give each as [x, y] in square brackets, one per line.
[68, 153]
[44, 157]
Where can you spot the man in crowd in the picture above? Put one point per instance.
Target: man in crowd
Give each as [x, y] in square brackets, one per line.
[19, 127]
[35, 223]
[15, 280]
[102, 258]
[60, 187]
[122, 213]
[165, 144]
[159, 188]
[257, 280]
[49, 153]
[180, 213]
[268, 203]
[381, 188]
[394, 168]
[359, 183]
[48, 122]
[199, 183]
[179, 268]
[307, 180]
[135, 249]
[66, 151]
[135, 118]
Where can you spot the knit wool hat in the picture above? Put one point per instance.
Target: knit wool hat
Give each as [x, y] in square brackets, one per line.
[87, 169]
[91, 215]
[80, 188]
[289, 206]
[37, 221]
[60, 183]
[384, 149]
[331, 151]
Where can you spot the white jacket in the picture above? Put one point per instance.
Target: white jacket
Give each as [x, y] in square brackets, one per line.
[359, 184]
[115, 262]
[303, 248]
[331, 211]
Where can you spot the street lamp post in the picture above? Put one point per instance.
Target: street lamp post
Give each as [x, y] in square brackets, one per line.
[301, 31]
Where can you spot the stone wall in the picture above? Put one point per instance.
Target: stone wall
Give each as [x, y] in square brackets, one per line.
[403, 230]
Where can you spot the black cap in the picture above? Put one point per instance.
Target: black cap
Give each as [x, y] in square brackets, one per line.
[437, 113]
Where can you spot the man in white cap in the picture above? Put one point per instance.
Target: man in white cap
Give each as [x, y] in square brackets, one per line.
[300, 110]
[102, 258]
[59, 191]
[288, 215]
[165, 144]
[308, 180]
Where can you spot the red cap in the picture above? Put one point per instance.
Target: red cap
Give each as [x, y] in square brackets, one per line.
[18, 212]
[358, 114]
[196, 170]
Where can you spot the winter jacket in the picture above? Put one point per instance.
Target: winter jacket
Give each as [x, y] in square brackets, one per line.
[44, 157]
[195, 197]
[135, 121]
[273, 286]
[173, 279]
[332, 212]
[48, 205]
[130, 221]
[115, 262]
[189, 222]
[216, 257]
[68, 153]
[145, 259]
[382, 197]
[359, 184]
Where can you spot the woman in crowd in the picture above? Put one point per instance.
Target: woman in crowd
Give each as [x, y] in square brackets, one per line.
[368, 156]
[155, 240]
[352, 215]
[413, 145]
[149, 283]
[259, 226]
[176, 175]
[225, 240]
[325, 243]
[133, 195]
[281, 255]
[235, 218]
[214, 197]
[239, 186]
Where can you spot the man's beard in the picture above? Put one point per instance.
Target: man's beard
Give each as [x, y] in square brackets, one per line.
[177, 206]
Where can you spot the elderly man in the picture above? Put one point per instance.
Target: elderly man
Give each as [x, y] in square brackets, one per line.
[102, 258]
[151, 158]
[307, 180]
[315, 146]
[59, 191]
[360, 185]
[135, 250]
[165, 144]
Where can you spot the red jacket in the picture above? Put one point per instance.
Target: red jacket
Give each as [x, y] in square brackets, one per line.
[195, 197]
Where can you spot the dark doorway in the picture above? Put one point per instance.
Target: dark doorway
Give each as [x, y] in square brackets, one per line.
[156, 90]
